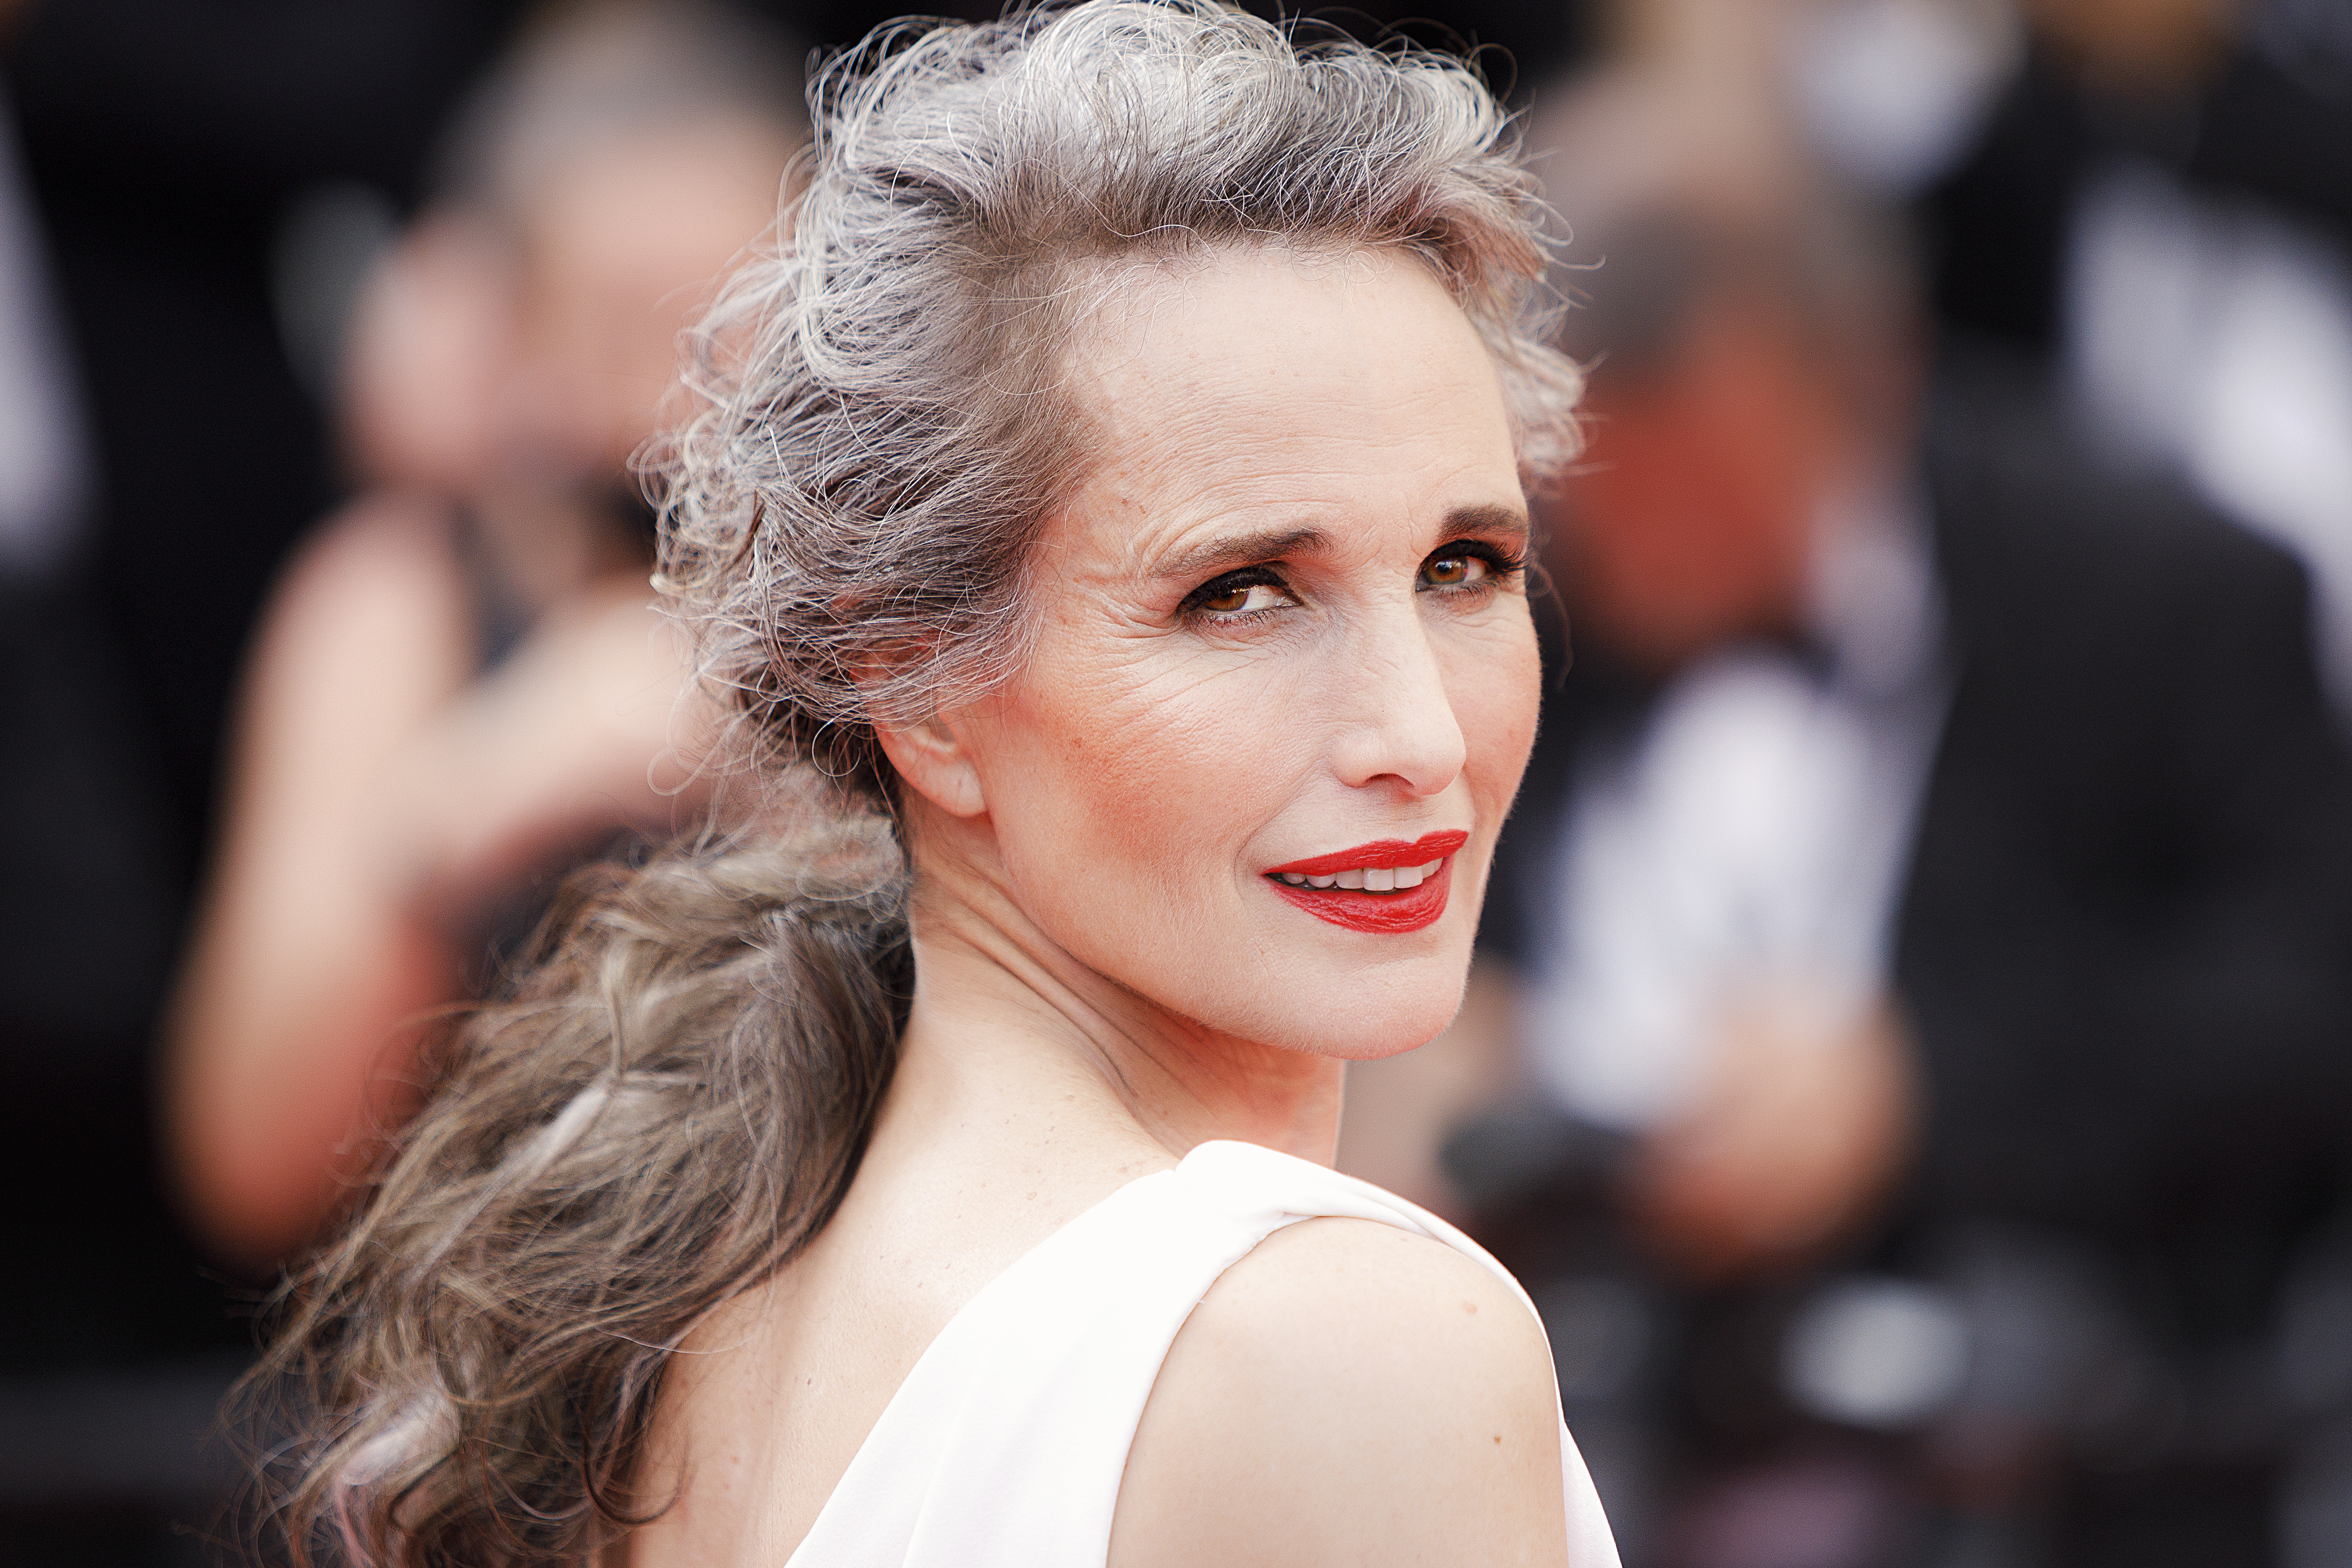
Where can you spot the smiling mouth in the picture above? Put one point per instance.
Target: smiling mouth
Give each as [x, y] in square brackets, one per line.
[1387, 888]
[1369, 879]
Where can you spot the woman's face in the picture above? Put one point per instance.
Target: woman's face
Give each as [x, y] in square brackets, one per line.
[1283, 657]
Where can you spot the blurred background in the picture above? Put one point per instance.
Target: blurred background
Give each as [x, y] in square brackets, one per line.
[1910, 1054]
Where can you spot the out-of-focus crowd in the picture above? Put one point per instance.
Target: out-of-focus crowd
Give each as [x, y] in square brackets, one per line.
[1910, 1057]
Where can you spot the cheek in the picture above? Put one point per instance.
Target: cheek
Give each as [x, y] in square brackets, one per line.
[1497, 687]
[1496, 683]
[1127, 786]
[1147, 771]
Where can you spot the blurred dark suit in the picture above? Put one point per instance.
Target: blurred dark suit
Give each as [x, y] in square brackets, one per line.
[2267, 126]
[2126, 943]
[2122, 948]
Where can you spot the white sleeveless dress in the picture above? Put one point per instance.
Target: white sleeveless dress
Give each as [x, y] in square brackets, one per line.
[1004, 1446]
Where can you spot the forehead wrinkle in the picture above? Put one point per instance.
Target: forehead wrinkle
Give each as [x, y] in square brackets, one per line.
[1172, 510]
[1149, 345]
[1227, 457]
[1184, 454]
[1226, 462]
[1244, 519]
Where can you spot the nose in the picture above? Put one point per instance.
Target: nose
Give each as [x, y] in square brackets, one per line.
[1399, 730]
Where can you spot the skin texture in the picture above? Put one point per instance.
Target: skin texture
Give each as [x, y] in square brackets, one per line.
[1105, 980]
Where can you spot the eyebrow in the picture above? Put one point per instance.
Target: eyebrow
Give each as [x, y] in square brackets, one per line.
[1505, 523]
[1245, 550]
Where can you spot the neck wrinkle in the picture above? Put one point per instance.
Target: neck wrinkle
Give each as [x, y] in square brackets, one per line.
[1015, 1017]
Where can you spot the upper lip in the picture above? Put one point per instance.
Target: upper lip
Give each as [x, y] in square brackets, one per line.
[1380, 854]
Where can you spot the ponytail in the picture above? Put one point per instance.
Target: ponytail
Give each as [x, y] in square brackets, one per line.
[668, 1107]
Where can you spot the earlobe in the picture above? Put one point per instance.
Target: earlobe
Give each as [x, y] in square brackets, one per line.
[932, 757]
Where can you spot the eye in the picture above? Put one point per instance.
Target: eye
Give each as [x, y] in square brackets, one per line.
[1467, 568]
[1455, 571]
[1243, 597]
[1248, 592]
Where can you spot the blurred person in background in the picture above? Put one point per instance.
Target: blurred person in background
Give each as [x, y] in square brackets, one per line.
[1921, 940]
[2165, 199]
[2153, 199]
[461, 686]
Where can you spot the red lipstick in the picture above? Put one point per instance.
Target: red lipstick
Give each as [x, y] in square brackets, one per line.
[1380, 913]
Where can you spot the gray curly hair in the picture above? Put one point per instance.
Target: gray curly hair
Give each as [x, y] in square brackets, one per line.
[886, 412]
[670, 1102]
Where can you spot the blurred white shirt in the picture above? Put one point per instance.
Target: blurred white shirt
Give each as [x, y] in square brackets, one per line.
[1753, 837]
[2215, 335]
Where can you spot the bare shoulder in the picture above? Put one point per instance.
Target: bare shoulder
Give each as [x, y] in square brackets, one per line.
[371, 534]
[1349, 1393]
[379, 573]
[374, 603]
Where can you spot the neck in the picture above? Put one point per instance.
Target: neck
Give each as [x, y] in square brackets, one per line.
[1009, 1035]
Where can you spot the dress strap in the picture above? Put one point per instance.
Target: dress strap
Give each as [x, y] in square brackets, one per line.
[1006, 1445]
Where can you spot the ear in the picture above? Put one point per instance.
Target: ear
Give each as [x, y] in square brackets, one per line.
[934, 758]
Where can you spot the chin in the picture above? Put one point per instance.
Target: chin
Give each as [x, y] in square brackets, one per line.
[1351, 1010]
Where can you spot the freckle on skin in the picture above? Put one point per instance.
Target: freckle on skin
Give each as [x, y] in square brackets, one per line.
[1471, 1308]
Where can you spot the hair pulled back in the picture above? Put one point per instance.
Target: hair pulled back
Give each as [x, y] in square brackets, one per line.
[670, 1103]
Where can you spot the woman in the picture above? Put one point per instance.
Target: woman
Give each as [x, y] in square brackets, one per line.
[461, 688]
[1107, 516]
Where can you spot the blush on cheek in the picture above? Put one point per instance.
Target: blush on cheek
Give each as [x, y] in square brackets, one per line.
[1494, 698]
[1496, 707]
[1114, 810]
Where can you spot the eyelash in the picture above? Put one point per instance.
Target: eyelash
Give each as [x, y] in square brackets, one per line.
[1196, 603]
[1502, 566]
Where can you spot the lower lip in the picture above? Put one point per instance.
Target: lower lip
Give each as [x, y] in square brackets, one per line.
[1382, 914]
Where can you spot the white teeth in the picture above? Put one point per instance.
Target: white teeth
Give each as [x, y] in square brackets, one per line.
[1386, 879]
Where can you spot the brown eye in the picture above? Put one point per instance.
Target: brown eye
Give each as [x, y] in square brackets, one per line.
[1239, 593]
[1454, 572]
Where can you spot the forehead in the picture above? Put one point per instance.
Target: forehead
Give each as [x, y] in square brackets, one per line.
[1264, 386]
